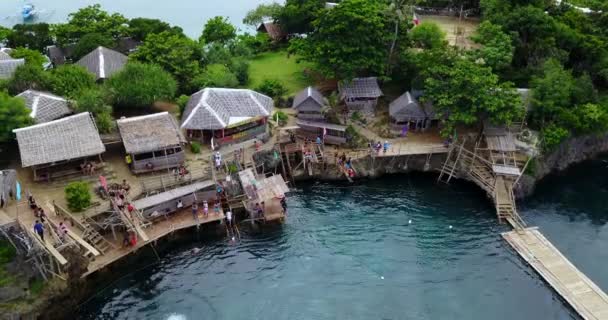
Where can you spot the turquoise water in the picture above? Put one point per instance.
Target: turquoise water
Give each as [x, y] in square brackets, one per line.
[348, 252]
[191, 15]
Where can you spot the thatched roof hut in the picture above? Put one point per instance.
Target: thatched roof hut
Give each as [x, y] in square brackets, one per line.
[45, 106]
[103, 62]
[69, 138]
[309, 99]
[149, 133]
[8, 67]
[360, 88]
[407, 107]
[8, 180]
[217, 108]
[274, 30]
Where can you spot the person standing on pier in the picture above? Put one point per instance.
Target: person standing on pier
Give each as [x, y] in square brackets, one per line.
[385, 147]
[195, 210]
[229, 218]
[39, 228]
[205, 208]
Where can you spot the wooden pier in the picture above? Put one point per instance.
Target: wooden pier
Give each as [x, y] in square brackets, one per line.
[584, 296]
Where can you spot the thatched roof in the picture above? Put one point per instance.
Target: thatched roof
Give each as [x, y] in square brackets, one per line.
[149, 133]
[321, 125]
[307, 96]
[8, 179]
[360, 88]
[103, 62]
[68, 138]
[8, 67]
[274, 30]
[5, 56]
[215, 108]
[45, 106]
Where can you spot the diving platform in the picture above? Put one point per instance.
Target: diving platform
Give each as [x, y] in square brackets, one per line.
[584, 296]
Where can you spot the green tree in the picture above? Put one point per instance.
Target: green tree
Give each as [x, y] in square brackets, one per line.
[400, 12]
[5, 33]
[240, 68]
[69, 79]
[348, 40]
[91, 19]
[78, 195]
[551, 93]
[140, 85]
[32, 57]
[218, 29]
[272, 88]
[140, 28]
[261, 13]
[428, 35]
[90, 42]
[496, 46]
[28, 76]
[216, 75]
[553, 135]
[468, 93]
[177, 54]
[32, 36]
[95, 101]
[297, 16]
[13, 114]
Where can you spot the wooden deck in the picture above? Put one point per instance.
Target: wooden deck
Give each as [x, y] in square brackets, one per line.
[584, 296]
[157, 230]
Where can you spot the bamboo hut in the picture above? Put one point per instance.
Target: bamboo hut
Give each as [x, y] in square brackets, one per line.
[53, 149]
[45, 106]
[406, 111]
[331, 133]
[8, 180]
[225, 116]
[103, 62]
[360, 94]
[310, 104]
[275, 32]
[152, 142]
[8, 66]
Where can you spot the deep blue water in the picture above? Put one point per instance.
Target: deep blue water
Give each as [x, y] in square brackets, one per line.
[348, 252]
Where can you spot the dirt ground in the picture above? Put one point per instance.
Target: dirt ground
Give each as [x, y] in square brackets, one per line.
[457, 31]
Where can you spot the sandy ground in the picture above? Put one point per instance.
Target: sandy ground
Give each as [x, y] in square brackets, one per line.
[457, 31]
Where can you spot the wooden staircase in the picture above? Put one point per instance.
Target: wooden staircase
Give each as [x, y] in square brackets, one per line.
[90, 235]
[505, 203]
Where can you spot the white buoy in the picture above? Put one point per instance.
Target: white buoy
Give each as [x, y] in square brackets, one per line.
[450, 227]
[232, 238]
[409, 221]
[382, 277]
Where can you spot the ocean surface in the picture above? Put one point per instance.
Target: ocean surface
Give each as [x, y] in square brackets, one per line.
[350, 252]
[191, 15]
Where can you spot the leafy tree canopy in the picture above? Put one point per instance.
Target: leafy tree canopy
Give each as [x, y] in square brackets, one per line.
[496, 46]
[91, 19]
[469, 93]
[428, 35]
[94, 100]
[32, 57]
[348, 40]
[13, 114]
[177, 54]
[218, 30]
[140, 85]
[90, 42]
[262, 13]
[140, 28]
[29, 76]
[69, 79]
[33, 36]
[216, 75]
[297, 16]
[272, 88]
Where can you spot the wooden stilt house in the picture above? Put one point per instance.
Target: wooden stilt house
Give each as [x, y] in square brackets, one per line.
[152, 142]
[406, 111]
[360, 94]
[310, 104]
[58, 148]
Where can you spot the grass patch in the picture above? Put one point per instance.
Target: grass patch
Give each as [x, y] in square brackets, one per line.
[276, 65]
[36, 287]
[7, 254]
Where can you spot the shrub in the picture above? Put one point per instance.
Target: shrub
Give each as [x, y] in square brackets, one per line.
[195, 147]
[140, 85]
[105, 122]
[272, 88]
[240, 68]
[32, 57]
[281, 116]
[181, 102]
[216, 75]
[69, 79]
[7, 252]
[26, 77]
[78, 195]
[553, 136]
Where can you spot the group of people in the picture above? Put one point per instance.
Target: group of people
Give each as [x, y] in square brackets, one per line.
[62, 228]
[346, 163]
[378, 146]
[88, 168]
[205, 208]
[180, 172]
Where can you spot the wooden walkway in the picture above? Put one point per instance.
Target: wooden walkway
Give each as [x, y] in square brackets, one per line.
[585, 297]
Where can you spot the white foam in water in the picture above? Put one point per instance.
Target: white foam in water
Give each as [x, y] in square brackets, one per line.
[176, 316]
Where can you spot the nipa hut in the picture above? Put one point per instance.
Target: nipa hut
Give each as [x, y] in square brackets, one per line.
[360, 94]
[45, 106]
[274, 31]
[331, 133]
[58, 148]
[310, 104]
[103, 62]
[152, 142]
[406, 111]
[224, 116]
[8, 180]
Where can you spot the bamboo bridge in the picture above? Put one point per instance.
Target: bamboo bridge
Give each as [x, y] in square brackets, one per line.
[496, 166]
